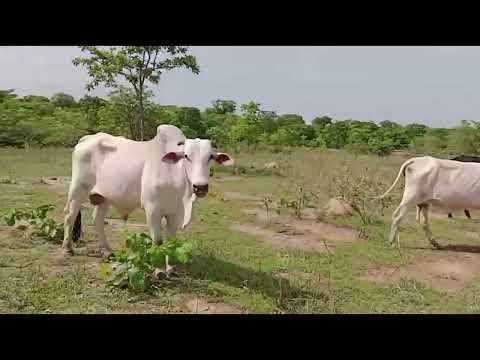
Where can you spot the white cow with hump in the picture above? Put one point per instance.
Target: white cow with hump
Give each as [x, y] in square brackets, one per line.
[447, 184]
[163, 176]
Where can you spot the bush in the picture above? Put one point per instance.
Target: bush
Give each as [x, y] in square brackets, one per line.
[359, 191]
[134, 267]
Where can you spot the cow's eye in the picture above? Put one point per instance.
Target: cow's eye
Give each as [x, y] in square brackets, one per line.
[180, 143]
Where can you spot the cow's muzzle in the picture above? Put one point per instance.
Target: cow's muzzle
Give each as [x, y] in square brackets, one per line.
[200, 190]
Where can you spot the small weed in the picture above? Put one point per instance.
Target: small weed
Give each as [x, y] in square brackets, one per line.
[47, 228]
[8, 181]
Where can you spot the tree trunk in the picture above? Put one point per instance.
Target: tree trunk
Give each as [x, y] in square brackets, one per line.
[141, 115]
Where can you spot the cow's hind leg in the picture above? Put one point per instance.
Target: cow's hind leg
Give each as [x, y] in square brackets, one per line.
[426, 228]
[397, 217]
[467, 214]
[73, 208]
[100, 212]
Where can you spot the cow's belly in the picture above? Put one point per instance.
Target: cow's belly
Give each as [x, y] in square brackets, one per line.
[456, 199]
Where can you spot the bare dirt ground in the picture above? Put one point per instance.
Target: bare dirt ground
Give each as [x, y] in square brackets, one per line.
[233, 195]
[286, 231]
[198, 305]
[446, 271]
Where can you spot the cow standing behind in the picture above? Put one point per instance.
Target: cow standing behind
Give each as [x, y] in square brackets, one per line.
[463, 158]
[430, 181]
[154, 175]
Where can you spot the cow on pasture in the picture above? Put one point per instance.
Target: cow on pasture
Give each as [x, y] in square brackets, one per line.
[430, 181]
[462, 158]
[163, 176]
[465, 158]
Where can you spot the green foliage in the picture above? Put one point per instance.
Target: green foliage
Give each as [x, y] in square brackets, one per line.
[135, 64]
[465, 138]
[223, 106]
[297, 200]
[63, 100]
[47, 228]
[38, 121]
[321, 122]
[134, 267]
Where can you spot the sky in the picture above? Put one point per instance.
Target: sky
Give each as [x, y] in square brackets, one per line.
[437, 86]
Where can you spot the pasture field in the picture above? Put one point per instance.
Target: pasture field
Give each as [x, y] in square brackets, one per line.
[248, 258]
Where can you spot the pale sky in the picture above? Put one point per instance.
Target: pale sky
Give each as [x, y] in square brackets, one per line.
[434, 85]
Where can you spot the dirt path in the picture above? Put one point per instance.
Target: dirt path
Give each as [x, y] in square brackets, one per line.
[446, 271]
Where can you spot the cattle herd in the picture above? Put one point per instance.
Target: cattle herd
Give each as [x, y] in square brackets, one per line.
[165, 175]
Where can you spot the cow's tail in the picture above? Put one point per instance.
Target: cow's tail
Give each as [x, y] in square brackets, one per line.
[77, 227]
[400, 172]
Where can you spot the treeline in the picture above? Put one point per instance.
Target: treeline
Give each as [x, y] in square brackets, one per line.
[61, 121]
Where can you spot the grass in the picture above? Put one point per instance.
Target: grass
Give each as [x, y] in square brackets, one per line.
[229, 266]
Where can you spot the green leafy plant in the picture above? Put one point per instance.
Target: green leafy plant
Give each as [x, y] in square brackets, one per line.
[134, 267]
[47, 228]
[298, 200]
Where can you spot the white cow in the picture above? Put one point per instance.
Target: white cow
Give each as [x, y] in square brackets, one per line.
[153, 175]
[447, 184]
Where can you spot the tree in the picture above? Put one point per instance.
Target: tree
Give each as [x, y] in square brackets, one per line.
[135, 64]
[336, 134]
[388, 124]
[321, 122]
[289, 120]
[269, 121]
[224, 106]
[415, 130]
[189, 117]
[91, 105]
[118, 117]
[249, 127]
[7, 94]
[465, 138]
[63, 100]
[36, 98]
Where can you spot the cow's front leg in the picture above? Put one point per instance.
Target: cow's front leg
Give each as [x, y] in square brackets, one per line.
[154, 222]
[174, 223]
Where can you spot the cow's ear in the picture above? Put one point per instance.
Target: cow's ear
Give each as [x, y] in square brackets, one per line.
[173, 157]
[223, 159]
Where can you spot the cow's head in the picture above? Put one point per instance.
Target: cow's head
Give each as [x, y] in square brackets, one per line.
[173, 141]
[198, 156]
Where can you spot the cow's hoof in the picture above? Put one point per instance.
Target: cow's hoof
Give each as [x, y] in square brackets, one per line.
[170, 271]
[67, 252]
[106, 253]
